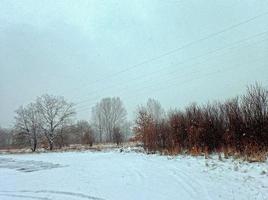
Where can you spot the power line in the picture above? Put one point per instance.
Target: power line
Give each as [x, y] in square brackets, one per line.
[181, 76]
[189, 80]
[181, 47]
[134, 97]
[186, 61]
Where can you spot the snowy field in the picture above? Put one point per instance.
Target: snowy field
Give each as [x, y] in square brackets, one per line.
[128, 176]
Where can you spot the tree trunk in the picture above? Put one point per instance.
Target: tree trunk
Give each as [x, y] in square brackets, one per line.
[50, 140]
[50, 145]
[34, 145]
[100, 137]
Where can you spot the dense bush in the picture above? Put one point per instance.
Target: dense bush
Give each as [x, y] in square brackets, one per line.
[237, 126]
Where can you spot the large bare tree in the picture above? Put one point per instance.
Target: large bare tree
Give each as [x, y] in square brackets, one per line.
[28, 123]
[108, 114]
[54, 112]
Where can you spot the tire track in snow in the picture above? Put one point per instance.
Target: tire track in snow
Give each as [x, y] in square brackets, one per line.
[189, 183]
[25, 196]
[26, 165]
[135, 172]
[184, 183]
[183, 180]
[74, 194]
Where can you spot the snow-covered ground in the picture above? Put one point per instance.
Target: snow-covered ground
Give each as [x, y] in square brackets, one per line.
[128, 176]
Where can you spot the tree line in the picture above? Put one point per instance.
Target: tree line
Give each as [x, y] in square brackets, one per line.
[49, 122]
[237, 126]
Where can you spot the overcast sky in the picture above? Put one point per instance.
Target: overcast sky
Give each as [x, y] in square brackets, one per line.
[134, 49]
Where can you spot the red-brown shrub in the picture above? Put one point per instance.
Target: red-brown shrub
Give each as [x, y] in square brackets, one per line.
[238, 126]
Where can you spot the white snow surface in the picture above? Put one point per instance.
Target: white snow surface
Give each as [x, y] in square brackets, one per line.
[129, 176]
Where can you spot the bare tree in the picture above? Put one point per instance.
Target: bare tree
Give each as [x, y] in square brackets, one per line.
[82, 126]
[88, 137]
[144, 127]
[127, 129]
[117, 135]
[97, 120]
[28, 124]
[5, 138]
[85, 132]
[108, 114]
[155, 110]
[62, 137]
[255, 111]
[54, 112]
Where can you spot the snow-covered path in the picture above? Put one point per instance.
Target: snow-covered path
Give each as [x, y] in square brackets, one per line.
[128, 176]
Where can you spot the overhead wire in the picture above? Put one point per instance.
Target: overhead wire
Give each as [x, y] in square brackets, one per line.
[192, 58]
[175, 50]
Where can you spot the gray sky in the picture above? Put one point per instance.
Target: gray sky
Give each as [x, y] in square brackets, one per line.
[87, 50]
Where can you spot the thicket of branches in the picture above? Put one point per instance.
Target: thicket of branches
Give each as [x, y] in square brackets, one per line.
[237, 126]
[109, 120]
